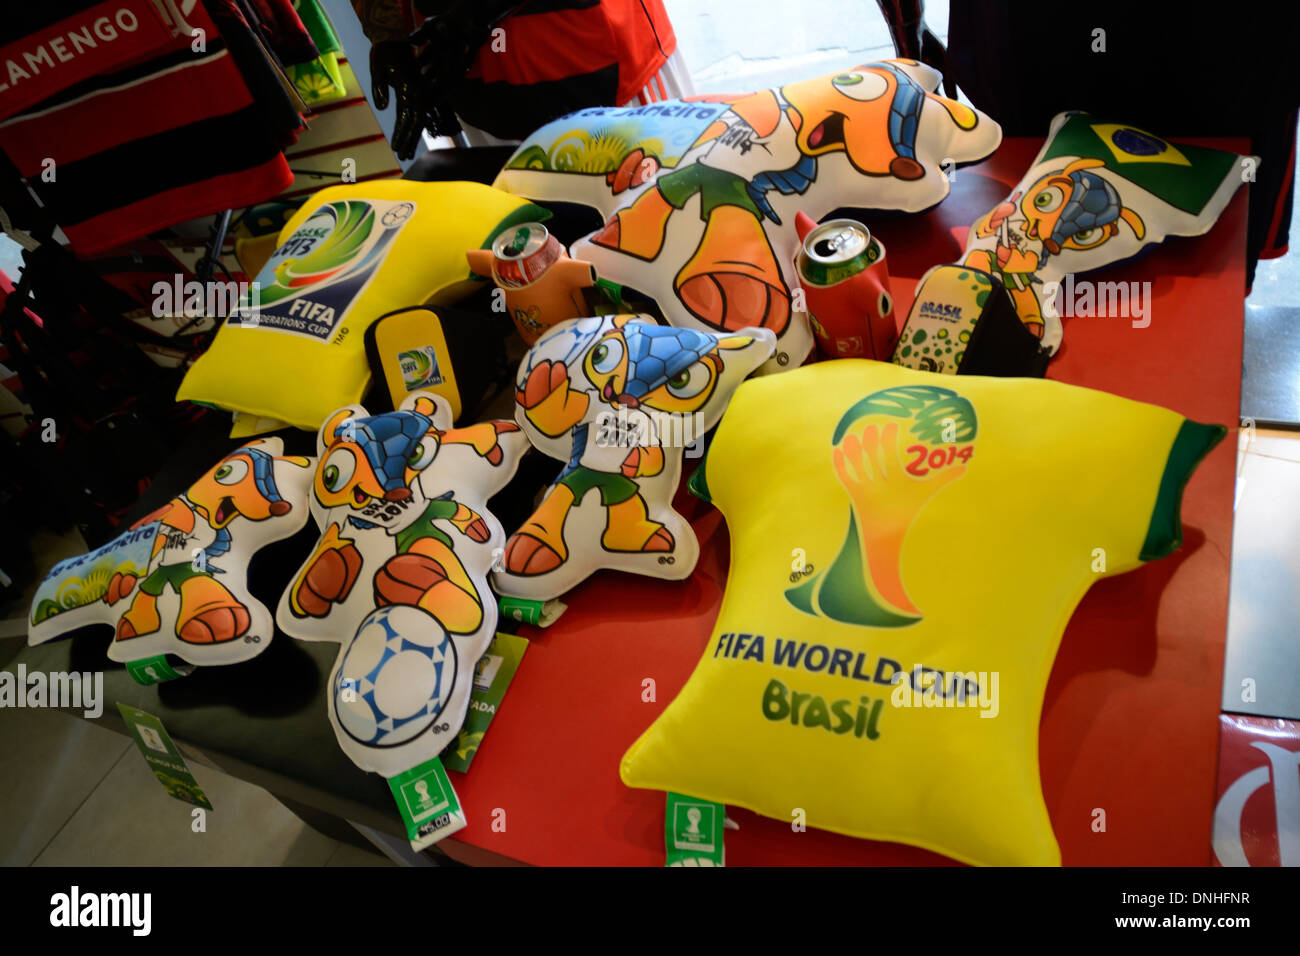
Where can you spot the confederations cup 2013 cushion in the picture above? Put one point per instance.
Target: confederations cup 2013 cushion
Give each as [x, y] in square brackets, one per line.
[296, 349]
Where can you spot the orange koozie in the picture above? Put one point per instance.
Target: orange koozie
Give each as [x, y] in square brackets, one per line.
[542, 285]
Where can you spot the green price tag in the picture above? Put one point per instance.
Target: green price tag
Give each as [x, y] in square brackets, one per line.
[693, 832]
[163, 756]
[155, 670]
[537, 613]
[613, 293]
[427, 803]
[521, 609]
[493, 674]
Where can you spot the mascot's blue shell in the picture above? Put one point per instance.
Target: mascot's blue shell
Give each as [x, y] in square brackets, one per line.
[657, 353]
[1093, 203]
[388, 441]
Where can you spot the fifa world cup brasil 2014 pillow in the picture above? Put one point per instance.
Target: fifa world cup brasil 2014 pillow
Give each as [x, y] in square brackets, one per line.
[895, 600]
[617, 399]
[700, 195]
[1097, 193]
[351, 254]
[399, 575]
[176, 582]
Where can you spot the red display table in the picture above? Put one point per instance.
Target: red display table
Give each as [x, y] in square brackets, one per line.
[1131, 716]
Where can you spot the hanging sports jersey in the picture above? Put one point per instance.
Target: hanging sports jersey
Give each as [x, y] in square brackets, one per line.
[556, 56]
[124, 123]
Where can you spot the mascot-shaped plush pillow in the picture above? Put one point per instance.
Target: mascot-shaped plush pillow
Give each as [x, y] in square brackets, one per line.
[176, 582]
[895, 598]
[1097, 193]
[700, 195]
[349, 255]
[399, 575]
[618, 399]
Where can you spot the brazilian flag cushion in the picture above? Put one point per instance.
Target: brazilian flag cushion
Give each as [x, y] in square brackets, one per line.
[351, 254]
[1097, 193]
[906, 550]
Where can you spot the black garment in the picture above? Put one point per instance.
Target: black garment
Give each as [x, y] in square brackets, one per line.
[1175, 68]
[277, 111]
[281, 29]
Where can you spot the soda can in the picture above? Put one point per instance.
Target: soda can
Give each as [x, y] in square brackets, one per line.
[542, 285]
[521, 255]
[835, 251]
[842, 272]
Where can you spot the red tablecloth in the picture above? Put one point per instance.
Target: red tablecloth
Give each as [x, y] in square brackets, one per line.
[1130, 719]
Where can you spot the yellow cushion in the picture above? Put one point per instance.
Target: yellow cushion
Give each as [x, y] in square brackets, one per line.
[349, 255]
[253, 252]
[892, 524]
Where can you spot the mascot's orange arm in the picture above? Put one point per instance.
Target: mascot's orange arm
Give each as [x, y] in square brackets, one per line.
[982, 228]
[559, 412]
[154, 515]
[482, 437]
[175, 514]
[652, 460]
[1021, 262]
[760, 110]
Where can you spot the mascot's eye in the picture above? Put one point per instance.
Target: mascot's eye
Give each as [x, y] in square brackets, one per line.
[422, 453]
[232, 472]
[861, 86]
[1086, 238]
[886, 304]
[690, 382]
[606, 356]
[1049, 199]
[338, 470]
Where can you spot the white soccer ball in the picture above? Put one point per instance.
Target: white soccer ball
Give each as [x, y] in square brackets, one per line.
[395, 677]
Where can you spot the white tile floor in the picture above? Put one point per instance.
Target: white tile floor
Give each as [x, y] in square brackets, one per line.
[74, 794]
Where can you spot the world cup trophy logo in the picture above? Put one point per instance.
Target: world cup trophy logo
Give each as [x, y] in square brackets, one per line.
[893, 452]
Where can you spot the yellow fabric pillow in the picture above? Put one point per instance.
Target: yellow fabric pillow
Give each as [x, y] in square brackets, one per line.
[349, 255]
[906, 549]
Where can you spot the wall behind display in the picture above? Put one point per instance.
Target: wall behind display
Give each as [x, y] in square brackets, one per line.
[738, 46]
[346, 129]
